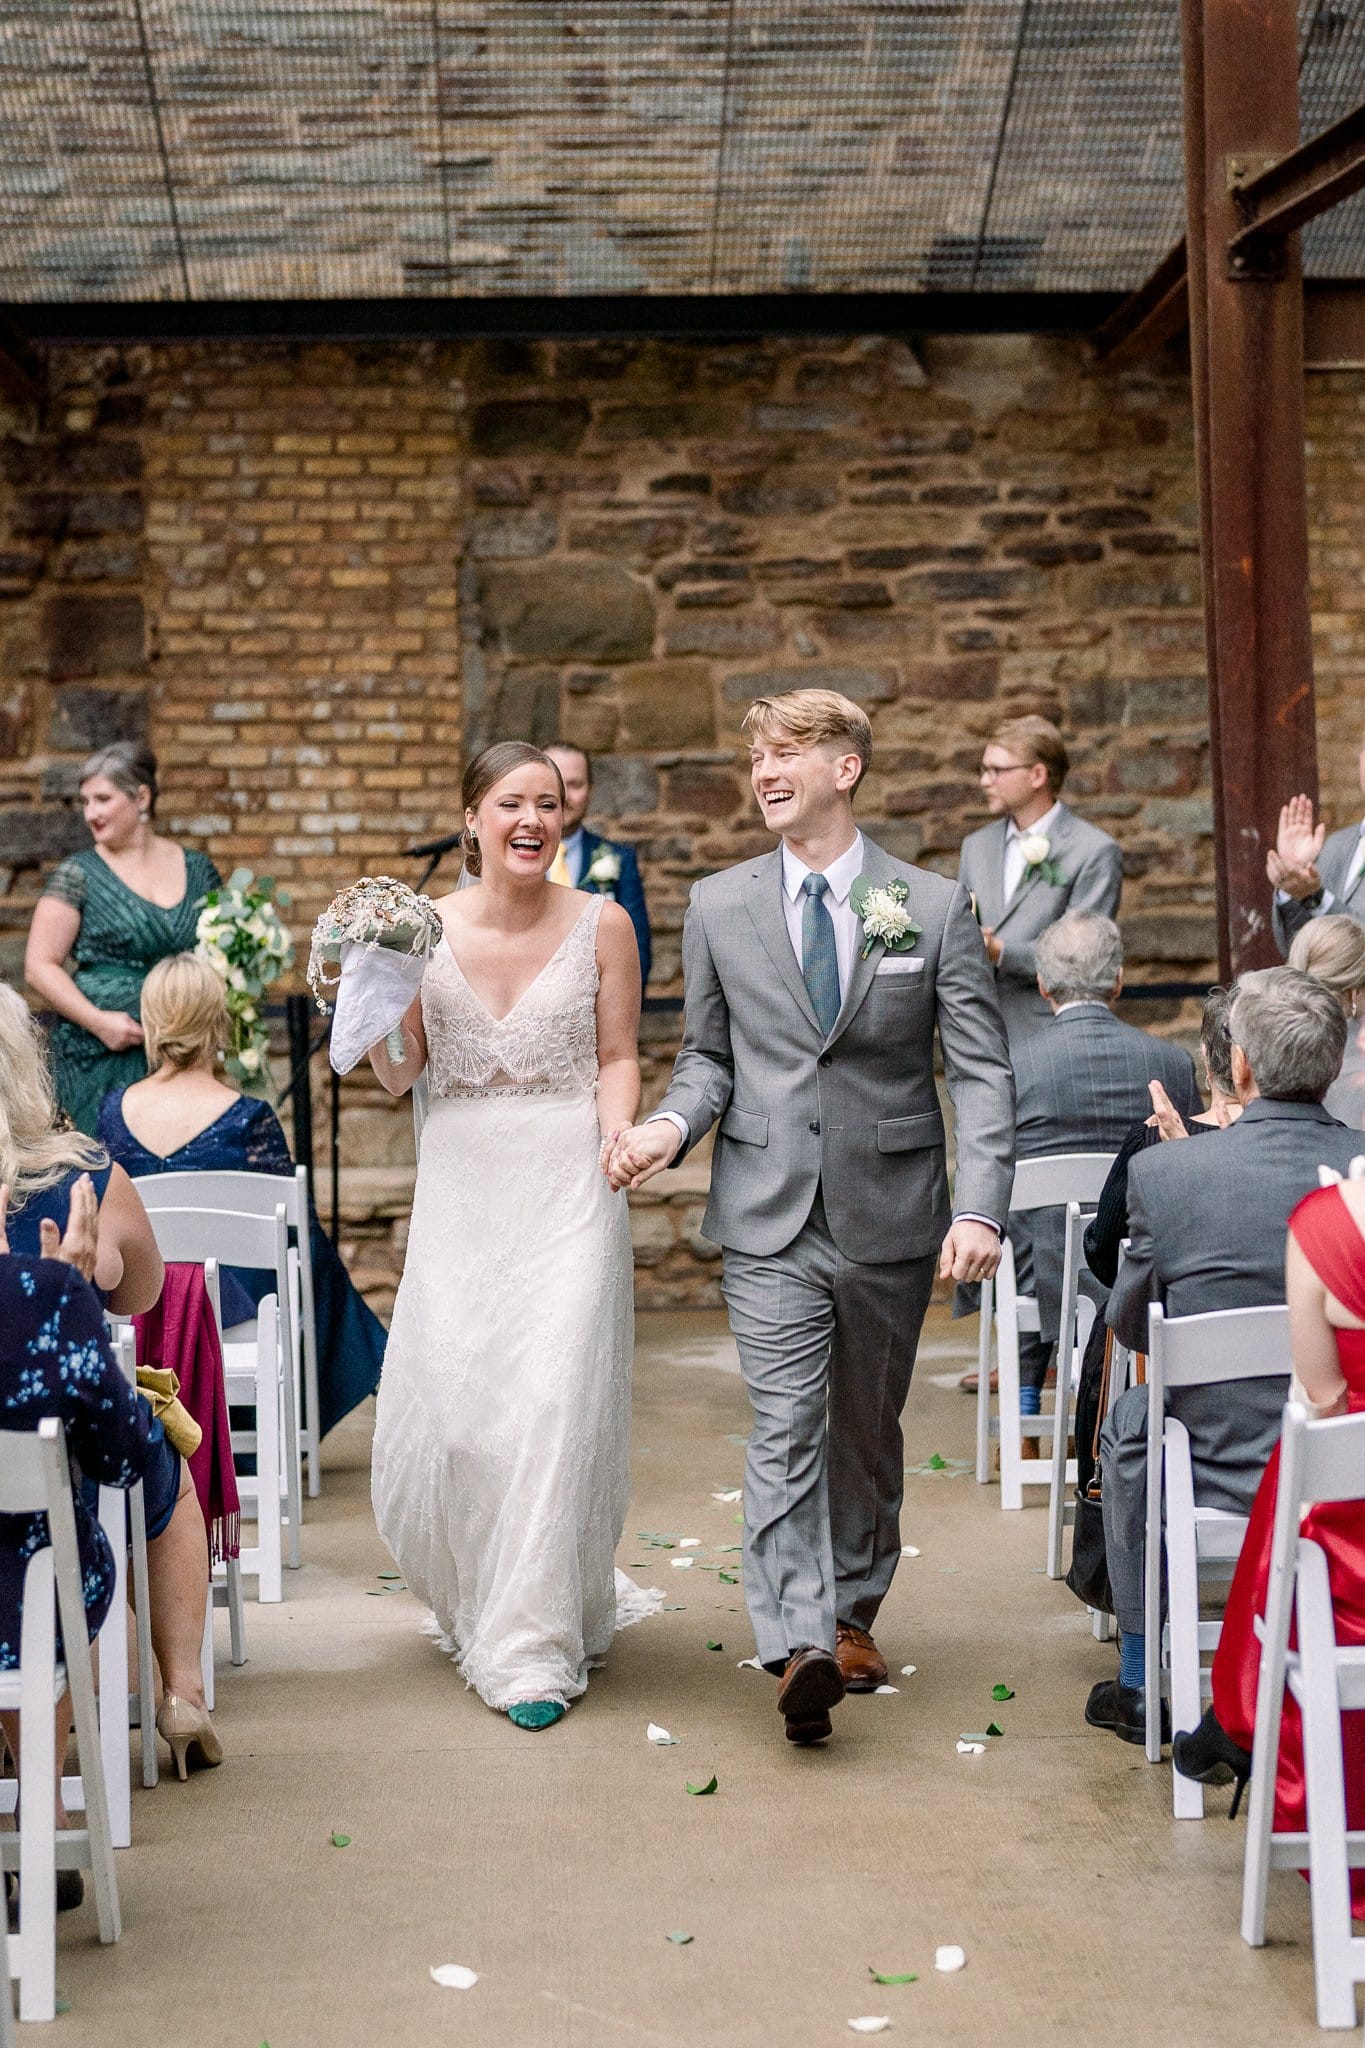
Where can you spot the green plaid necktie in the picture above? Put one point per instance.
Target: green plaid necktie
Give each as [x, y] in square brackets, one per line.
[819, 955]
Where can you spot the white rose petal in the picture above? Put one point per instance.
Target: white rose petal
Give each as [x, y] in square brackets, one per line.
[682, 1564]
[730, 1493]
[689, 1543]
[872, 2024]
[950, 1958]
[971, 1749]
[908, 1670]
[1035, 846]
[454, 1977]
[886, 1688]
[909, 1550]
[661, 1736]
[748, 1664]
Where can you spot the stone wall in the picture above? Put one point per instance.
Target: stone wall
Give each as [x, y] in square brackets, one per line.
[320, 576]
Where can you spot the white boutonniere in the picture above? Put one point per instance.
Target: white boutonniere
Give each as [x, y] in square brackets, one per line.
[881, 908]
[604, 870]
[1036, 848]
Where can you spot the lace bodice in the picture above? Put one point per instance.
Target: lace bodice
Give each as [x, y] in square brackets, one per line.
[547, 1042]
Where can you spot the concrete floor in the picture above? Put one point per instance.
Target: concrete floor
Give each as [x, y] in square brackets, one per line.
[555, 1865]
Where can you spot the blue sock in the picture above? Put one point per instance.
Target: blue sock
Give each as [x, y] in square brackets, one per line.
[1030, 1400]
[1133, 1661]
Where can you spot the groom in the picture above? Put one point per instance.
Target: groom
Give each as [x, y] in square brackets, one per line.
[815, 978]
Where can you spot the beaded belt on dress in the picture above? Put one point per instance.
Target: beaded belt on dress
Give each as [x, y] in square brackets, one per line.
[458, 1094]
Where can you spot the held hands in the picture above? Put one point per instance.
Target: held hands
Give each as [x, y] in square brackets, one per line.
[994, 947]
[631, 1157]
[81, 1242]
[118, 1031]
[1291, 864]
[971, 1251]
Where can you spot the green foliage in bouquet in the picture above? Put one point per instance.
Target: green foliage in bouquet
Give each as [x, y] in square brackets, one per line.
[242, 937]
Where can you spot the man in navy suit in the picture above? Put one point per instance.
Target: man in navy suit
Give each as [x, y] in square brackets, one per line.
[604, 867]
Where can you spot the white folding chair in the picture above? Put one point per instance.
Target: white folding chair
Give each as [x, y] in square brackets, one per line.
[35, 1478]
[124, 1520]
[257, 1244]
[259, 1194]
[1048, 1183]
[1202, 1545]
[1078, 1320]
[1319, 1461]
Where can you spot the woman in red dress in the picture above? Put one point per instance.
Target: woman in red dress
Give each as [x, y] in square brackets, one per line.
[1325, 1288]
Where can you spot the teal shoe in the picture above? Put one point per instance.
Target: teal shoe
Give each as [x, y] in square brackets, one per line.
[536, 1713]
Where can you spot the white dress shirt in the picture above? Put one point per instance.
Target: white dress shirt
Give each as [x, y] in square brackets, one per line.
[1014, 847]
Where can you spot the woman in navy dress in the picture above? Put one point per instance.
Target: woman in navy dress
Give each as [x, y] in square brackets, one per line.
[183, 1118]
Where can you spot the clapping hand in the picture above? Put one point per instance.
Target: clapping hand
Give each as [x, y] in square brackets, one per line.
[1166, 1116]
[1291, 864]
[80, 1243]
[631, 1157]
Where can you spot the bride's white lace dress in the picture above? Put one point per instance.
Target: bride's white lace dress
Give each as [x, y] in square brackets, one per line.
[501, 1451]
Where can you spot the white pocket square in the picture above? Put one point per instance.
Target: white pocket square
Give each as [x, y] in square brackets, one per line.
[898, 963]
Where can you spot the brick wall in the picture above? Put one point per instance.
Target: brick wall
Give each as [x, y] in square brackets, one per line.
[320, 575]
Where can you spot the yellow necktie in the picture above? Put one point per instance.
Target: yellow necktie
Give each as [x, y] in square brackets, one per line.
[559, 869]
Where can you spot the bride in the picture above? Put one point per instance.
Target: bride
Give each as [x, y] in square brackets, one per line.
[501, 1475]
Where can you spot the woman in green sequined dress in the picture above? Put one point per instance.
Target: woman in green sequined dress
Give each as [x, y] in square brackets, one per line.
[116, 909]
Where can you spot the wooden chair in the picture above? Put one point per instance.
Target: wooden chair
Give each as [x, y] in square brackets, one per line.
[1201, 1545]
[35, 1478]
[1319, 1461]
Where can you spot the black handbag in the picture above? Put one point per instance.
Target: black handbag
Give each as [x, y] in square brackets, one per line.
[1088, 1577]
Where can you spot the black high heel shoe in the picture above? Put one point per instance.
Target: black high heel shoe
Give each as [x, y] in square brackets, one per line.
[1209, 1754]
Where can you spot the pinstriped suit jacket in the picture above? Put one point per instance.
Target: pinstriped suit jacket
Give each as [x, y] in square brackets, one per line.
[1082, 1085]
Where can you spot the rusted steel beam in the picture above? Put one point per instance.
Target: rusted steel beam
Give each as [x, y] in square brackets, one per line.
[1149, 317]
[1275, 198]
[1246, 346]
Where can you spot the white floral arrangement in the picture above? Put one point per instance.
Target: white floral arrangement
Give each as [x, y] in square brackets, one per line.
[881, 907]
[241, 935]
[604, 870]
[1036, 848]
[377, 913]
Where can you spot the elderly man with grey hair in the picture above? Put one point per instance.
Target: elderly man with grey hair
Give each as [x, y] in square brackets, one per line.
[1082, 1082]
[1207, 1226]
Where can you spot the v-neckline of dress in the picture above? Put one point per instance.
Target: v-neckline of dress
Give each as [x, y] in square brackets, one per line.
[532, 983]
[166, 909]
[162, 1158]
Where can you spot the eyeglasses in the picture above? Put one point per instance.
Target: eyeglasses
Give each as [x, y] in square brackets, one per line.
[991, 769]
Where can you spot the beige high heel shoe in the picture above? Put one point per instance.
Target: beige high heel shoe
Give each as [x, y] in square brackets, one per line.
[185, 1727]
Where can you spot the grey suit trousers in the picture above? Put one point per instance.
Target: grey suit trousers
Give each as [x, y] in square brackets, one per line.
[827, 1348]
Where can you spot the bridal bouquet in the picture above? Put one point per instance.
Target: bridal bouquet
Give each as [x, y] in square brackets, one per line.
[370, 949]
[240, 934]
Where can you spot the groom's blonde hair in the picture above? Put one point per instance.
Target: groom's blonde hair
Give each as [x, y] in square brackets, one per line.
[813, 718]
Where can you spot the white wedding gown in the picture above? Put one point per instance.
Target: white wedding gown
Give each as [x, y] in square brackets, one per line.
[501, 1451]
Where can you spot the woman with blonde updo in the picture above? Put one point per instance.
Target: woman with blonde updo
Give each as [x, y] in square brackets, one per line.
[185, 1118]
[1332, 950]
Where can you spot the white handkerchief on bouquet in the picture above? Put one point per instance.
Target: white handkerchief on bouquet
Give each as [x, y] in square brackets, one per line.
[371, 999]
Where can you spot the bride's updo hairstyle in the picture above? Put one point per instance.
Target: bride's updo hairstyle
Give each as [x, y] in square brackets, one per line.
[485, 772]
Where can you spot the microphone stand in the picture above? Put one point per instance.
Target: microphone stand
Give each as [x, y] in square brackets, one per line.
[433, 851]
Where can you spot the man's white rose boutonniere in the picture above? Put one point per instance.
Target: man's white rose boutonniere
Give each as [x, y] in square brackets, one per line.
[1036, 848]
[881, 907]
[604, 870]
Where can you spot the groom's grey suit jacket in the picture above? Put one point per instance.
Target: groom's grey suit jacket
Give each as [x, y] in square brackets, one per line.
[855, 1113]
[1334, 864]
[1091, 867]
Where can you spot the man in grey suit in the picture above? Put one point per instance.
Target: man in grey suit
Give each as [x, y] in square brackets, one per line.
[816, 976]
[1207, 1222]
[1037, 861]
[1312, 878]
[1081, 1083]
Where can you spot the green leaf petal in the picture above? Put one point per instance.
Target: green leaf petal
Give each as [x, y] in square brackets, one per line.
[701, 1791]
[1001, 1692]
[388, 1575]
[994, 1728]
[678, 1940]
[340, 1841]
[936, 1463]
[715, 1646]
[894, 1977]
[728, 1579]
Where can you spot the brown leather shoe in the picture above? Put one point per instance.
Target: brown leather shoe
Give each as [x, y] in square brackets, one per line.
[816, 1728]
[861, 1664]
[811, 1685]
